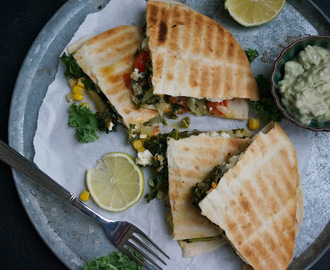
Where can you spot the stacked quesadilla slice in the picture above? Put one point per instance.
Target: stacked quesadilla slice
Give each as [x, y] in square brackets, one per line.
[258, 202]
[107, 59]
[190, 160]
[193, 64]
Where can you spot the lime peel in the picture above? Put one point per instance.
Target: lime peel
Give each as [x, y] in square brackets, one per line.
[254, 12]
[109, 185]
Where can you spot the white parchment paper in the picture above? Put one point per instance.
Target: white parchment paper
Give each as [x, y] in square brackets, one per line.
[58, 153]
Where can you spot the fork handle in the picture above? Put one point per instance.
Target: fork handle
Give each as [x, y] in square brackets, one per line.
[22, 164]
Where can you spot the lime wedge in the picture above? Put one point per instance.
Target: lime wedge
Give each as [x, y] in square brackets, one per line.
[116, 183]
[254, 12]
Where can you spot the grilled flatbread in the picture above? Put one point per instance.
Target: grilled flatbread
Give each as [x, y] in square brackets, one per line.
[189, 161]
[105, 58]
[258, 201]
[201, 247]
[194, 56]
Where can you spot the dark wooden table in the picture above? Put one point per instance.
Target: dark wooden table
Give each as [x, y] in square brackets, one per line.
[20, 245]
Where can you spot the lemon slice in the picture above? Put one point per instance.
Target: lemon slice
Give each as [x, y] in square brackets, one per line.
[116, 182]
[254, 12]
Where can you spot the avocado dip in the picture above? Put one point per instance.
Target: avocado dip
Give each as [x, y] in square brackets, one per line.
[305, 88]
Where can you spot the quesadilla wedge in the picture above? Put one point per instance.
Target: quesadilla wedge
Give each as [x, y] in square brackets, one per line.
[189, 62]
[190, 160]
[108, 59]
[258, 202]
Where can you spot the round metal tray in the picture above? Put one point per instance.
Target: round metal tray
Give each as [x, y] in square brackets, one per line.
[64, 229]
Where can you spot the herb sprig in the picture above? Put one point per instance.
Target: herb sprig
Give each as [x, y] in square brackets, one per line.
[266, 106]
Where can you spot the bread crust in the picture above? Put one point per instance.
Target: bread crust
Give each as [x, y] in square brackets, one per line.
[190, 160]
[258, 201]
[105, 59]
[194, 56]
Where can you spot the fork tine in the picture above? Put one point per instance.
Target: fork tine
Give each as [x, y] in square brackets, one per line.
[137, 230]
[136, 259]
[129, 244]
[147, 248]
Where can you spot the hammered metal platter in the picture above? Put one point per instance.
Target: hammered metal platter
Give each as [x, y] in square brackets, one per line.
[64, 229]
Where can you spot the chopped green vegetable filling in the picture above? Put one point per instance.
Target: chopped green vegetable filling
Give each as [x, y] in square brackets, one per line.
[185, 122]
[157, 145]
[200, 189]
[266, 106]
[103, 119]
[86, 122]
[200, 239]
[72, 68]
[251, 54]
[73, 71]
[115, 261]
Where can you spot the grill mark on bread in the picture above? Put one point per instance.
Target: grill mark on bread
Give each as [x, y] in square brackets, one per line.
[210, 43]
[181, 154]
[277, 183]
[162, 32]
[105, 58]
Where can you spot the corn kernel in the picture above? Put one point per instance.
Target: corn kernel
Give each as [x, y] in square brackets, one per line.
[78, 90]
[254, 123]
[137, 144]
[85, 104]
[78, 97]
[80, 83]
[72, 82]
[214, 185]
[69, 97]
[167, 109]
[84, 196]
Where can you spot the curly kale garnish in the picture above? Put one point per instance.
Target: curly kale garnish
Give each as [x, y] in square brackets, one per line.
[266, 106]
[85, 122]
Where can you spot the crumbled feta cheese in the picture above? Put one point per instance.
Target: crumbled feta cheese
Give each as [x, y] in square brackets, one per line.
[224, 135]
[143, 136]
[136, 75]
[110, 126]
[214, 134]
[215, 100]
[144, 158]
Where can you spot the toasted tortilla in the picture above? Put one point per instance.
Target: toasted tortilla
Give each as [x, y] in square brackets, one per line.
[105, 58]
[201, 247]
[190, 160]
[194, 56]
[257, 202]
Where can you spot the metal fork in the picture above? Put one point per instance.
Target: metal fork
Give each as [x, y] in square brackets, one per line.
[125, 236]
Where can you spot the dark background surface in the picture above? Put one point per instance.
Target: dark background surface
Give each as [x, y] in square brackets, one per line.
[20, 245]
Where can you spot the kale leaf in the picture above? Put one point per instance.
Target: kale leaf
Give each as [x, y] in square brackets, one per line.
[72, 68]
[115, 260]
[73, 71]
[266, 106]
[85, 122]
[251, 54]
